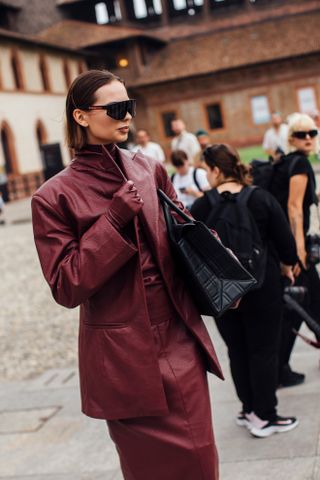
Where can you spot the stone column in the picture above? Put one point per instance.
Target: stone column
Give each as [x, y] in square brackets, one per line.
[165, 13]
[206, 11]
[124, 11]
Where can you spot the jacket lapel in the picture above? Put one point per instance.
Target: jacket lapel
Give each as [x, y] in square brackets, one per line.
[140, 172]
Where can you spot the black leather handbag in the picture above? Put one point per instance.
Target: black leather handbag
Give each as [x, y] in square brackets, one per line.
[216, 279]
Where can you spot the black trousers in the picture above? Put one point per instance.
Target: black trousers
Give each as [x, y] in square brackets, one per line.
[252, 335]
[291, 320]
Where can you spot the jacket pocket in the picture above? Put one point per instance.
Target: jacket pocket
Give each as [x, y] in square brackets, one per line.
[105, 325]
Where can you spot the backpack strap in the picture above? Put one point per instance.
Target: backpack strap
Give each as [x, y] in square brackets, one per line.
[195, 180]
[172, 177]
[245, 194]
[213, 197]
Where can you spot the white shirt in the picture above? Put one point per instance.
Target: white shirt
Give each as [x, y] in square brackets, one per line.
[152, 150]
[187, 181]
[276, 138]
[187, 142]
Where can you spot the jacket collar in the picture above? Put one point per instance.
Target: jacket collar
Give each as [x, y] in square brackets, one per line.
[132, 166]
[137, 169]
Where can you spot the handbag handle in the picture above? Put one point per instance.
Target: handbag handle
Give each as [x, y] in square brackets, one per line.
[165, 200]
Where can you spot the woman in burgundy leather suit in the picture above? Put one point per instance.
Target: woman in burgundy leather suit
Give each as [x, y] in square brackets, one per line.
[102, 243]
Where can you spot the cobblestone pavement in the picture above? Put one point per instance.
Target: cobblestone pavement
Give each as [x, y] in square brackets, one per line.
[43, 435]
[35, 332]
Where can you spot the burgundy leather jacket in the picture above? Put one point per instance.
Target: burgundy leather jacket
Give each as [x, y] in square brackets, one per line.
[88, 262]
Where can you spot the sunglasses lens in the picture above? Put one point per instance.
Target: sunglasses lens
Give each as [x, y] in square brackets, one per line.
[132, 107]
[303, 135]
[118, 110]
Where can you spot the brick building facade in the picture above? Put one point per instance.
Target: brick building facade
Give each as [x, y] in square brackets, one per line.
[220, 65]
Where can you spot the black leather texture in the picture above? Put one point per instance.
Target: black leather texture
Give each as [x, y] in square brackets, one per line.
[215, 278]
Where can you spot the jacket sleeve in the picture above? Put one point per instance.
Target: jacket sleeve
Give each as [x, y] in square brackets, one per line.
[76, 268]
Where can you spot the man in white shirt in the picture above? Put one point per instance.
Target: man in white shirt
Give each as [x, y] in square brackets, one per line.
[276, 137]
[151, 149]
[184, 140]
[188, 181]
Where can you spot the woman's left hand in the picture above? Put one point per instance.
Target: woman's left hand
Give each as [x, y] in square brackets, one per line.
[287, 271]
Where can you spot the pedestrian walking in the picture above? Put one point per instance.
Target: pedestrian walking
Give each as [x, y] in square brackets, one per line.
[294, 186]
[2, 220]
[184, 140]
[148, 148]
[102, 241]
[189, 182]
[246, 216]
[275, 138]
[204, 141]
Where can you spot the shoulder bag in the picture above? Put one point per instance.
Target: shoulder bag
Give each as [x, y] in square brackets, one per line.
[215, 278]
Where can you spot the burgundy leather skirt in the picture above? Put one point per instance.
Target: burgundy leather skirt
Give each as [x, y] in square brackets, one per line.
[180, 445]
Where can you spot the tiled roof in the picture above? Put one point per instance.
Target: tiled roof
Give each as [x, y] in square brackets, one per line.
[211, 52]
[34, 40]
[65, 2]
[76, 34]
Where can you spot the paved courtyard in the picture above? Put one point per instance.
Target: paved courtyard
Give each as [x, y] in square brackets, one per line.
[43, 435]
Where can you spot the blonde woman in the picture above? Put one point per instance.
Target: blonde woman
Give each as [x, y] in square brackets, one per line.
[295, 188]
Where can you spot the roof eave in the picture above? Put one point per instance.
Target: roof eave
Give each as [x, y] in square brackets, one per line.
[219, 70]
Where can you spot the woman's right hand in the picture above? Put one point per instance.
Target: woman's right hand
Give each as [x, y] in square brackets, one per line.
[125, 204]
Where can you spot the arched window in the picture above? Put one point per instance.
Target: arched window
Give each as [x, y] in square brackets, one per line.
[44, 73]
[67, 74]
[17, 70]
[8, 148]
[41, 132]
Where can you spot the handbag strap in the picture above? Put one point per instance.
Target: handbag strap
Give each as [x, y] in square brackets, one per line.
[165, 200]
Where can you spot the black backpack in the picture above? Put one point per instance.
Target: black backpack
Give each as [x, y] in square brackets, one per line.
[234, 223]
[263, 172]
[194, 179]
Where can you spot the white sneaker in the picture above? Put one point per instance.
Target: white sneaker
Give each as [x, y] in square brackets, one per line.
[243, 420]
[264, 428]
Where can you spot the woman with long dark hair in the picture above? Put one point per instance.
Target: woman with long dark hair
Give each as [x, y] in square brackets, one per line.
[102, 242]
[252, 332]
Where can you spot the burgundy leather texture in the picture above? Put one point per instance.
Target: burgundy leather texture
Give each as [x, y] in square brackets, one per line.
[178, 446]
[88, 262]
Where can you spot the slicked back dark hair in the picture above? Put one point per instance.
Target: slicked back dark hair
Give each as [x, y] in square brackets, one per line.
[81, 94]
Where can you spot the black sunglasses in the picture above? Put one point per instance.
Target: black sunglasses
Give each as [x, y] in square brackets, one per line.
[303, 135]
[117, 110]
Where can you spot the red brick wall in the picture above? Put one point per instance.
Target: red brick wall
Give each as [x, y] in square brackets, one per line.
[279, 81]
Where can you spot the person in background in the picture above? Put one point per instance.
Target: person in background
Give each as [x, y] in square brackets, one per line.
[294, 187]
[252, 331]
[184, 140]
[148, 148]
[2, 220]
[204, 141]
[316, 118]
[4, 184]
[189, 182]
[275, 138]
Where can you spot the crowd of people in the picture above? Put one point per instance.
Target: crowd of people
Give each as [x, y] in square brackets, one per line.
[102, 241]
[260, 334]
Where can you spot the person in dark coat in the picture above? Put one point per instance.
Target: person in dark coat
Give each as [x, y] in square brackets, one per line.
[102, 242]
[252, 332]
